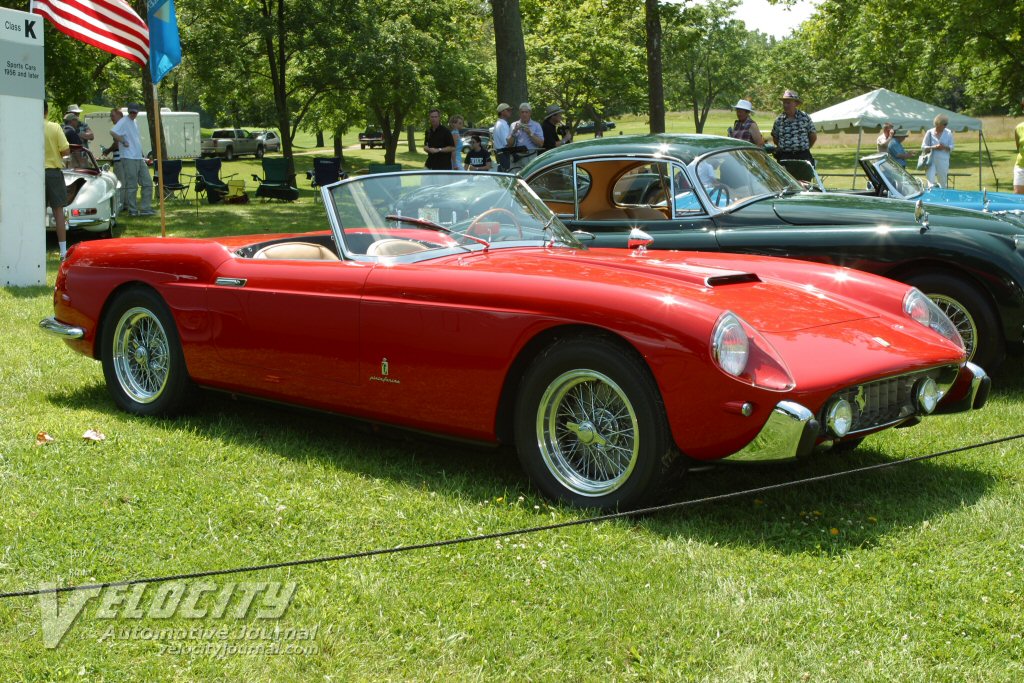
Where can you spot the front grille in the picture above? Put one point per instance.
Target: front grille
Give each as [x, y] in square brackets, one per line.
[876, 404]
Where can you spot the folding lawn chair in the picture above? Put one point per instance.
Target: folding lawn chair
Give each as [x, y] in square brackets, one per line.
[276, 182]
[208, 181]
[173, 187]
[325, 171]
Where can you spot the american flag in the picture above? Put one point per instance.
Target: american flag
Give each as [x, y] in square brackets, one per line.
[110, 25]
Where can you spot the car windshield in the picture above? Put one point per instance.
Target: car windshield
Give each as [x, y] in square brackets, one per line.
[393, 214]
[734, 176]
[899, 182]
[79, 159]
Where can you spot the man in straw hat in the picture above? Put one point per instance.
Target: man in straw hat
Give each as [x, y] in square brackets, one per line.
[896, 149]
[552, 122]
[793, 132]
[744, 127]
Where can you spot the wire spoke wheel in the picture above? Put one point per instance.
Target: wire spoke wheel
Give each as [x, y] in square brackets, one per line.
[141, 355]
[962, 320]
[588, 432]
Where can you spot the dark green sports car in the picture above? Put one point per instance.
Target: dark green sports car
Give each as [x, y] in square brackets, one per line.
[712, 193]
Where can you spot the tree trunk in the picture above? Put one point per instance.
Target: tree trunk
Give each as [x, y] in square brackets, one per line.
[319, 138]
[510, 51]
[655, 86]
[277, 58]
[410, 134]
[338, 151]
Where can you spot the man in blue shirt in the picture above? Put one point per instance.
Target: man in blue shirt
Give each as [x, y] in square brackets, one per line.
[896, 150]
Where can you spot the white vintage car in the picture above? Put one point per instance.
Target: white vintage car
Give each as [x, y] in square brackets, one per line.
[92, 194]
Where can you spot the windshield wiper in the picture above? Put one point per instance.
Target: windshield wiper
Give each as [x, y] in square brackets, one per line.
[424, 223]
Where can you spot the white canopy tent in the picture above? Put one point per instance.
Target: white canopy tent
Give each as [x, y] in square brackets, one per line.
[870, 110]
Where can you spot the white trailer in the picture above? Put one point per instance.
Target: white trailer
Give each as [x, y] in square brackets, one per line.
[181, 131]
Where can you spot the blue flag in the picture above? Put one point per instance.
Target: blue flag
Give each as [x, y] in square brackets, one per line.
[164, 44]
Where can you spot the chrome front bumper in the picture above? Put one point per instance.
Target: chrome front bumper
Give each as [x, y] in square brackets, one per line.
[974, 397]
[790, 432]
[63, 331]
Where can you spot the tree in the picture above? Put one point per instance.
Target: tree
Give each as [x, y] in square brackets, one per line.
[587, 57]
[655, 74]
[709, 58]
[510, 51]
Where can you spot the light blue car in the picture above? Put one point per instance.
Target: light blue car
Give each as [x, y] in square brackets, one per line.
[889, 179]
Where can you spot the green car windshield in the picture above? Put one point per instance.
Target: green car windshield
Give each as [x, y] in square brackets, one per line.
[735, 176]
[394, 214]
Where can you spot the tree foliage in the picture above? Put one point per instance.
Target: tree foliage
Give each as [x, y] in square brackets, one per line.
[587, 57]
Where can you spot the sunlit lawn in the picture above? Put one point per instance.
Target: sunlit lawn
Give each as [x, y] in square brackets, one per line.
[911, 574]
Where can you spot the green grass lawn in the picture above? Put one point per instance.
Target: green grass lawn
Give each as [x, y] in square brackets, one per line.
[911, 574]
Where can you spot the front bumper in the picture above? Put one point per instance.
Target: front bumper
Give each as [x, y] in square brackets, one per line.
[790, 432]
[53, 326]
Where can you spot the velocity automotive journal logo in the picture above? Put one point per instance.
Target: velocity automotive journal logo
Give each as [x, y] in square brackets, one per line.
[237, 601]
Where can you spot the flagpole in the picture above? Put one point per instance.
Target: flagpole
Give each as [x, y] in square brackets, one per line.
[158, 132]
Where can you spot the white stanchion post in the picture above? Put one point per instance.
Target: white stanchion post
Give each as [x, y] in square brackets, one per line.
[22, 197]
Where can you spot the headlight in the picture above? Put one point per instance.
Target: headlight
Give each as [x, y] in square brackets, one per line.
[839, 417]
[923, 310]
[741, 351]
[928, 395]
[730, 345]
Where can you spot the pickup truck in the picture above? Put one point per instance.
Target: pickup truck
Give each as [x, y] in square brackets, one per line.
[371, 137]
[232, 142]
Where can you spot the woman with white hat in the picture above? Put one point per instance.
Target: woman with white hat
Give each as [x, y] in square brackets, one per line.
[745, 128]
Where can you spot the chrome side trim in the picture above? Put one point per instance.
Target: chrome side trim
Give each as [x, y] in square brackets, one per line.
[231, 281]
[52, 326]
[790, 432]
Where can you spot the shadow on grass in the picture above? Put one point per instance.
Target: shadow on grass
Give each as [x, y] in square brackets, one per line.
[850, 512]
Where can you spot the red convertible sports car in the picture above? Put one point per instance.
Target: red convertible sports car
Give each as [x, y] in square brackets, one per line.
[458, 304]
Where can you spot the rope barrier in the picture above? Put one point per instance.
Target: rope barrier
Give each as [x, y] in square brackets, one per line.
[504, 534]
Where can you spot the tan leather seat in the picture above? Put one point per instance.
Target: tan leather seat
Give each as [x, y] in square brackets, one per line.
[394, 247]
[645, 213]
[607, 215]
[297, 251]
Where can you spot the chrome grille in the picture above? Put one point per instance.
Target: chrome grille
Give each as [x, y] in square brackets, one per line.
[876, 404]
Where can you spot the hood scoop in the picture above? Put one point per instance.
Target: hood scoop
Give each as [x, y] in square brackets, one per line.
[731, 279]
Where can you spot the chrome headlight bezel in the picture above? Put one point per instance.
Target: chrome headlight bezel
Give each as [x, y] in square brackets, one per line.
[730, 344]
[839, 418]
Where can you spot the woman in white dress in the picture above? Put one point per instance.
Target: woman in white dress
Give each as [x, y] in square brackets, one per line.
[939, 141]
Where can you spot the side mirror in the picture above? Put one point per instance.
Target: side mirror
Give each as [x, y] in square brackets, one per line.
[639, 241]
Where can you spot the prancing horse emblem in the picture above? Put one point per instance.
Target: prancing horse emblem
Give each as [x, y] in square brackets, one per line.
[383, 367]
[860, 399]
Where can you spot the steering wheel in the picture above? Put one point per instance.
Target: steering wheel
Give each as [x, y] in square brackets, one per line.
[488, 212]
[717, 192]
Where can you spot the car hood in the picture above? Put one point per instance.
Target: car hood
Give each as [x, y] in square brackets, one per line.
[973, 199]
[676, 279]
[815, 208]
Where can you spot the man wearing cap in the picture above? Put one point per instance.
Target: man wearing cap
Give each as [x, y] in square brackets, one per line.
[133, 163]
[71, 128]
[552, 121]
[895, 147]
[793, 132]
[527, 134]
[500, 136]
[84, 133]
[744, 127]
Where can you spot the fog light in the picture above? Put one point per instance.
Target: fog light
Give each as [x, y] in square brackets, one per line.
[928, 395]
[839, 418]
